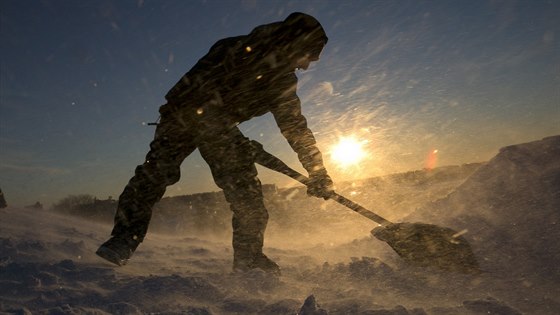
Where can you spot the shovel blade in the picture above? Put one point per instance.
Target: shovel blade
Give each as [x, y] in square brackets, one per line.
[428, 245]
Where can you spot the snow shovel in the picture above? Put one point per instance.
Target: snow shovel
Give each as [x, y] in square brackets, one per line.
[419, 244]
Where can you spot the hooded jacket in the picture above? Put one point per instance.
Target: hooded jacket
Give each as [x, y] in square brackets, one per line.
[248, 76]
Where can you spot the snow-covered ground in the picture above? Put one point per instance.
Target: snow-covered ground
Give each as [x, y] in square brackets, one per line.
[508, 207]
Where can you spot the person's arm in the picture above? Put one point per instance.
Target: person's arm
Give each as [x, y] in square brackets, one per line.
[293, 126]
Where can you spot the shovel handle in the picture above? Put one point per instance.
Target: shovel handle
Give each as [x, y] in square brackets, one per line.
[359, 209]
[270, 161]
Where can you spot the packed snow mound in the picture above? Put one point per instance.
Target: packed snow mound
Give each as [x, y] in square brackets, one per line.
[509, 210]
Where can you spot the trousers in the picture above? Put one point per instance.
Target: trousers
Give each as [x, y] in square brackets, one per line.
[228, 153]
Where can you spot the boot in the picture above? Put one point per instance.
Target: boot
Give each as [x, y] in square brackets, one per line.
[118, 249]
[259, 261]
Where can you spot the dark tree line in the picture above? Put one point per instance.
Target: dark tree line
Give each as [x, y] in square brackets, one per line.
[86, 206]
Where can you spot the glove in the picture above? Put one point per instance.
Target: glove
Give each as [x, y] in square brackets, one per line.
[320, 185]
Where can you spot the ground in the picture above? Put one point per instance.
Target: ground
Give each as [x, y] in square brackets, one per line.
[331, 266]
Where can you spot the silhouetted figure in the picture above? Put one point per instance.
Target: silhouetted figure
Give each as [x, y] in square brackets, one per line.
[3, 203]
[239, 78]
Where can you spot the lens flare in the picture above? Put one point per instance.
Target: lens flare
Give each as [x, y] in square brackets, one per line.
[431, 159]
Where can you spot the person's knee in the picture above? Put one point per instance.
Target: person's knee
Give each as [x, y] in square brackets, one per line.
[249, 216]
[240, 187]
[160, 173]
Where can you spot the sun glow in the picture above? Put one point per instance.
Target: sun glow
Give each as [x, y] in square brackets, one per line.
[348, 152]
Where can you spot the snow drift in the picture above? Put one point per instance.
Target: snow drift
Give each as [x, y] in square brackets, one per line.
[508, 209]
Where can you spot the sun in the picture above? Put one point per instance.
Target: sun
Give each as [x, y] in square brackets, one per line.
[348, 152]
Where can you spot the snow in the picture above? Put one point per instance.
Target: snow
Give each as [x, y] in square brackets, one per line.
[509, 208]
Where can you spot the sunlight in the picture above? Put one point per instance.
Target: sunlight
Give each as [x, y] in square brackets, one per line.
[348, 152]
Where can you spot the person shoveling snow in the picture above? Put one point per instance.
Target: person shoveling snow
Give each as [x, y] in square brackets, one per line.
[238, 79]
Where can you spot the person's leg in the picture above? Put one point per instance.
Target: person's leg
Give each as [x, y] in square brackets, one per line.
[232, 164]
[171, 145]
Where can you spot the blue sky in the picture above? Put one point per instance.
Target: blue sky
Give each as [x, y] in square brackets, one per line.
[80, 80]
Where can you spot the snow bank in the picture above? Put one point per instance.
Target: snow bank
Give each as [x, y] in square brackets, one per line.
[510, 211]
[509, 207]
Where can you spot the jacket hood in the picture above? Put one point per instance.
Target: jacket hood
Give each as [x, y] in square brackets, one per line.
[297, 35]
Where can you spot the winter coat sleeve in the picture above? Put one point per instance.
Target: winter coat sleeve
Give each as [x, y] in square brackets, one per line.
[293, 126]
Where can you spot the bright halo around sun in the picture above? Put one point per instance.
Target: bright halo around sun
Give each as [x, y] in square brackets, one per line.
[348, 152]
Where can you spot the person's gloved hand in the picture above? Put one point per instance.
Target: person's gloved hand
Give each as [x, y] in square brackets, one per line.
[320, 185]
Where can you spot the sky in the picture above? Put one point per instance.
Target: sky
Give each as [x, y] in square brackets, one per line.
[417, 83]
